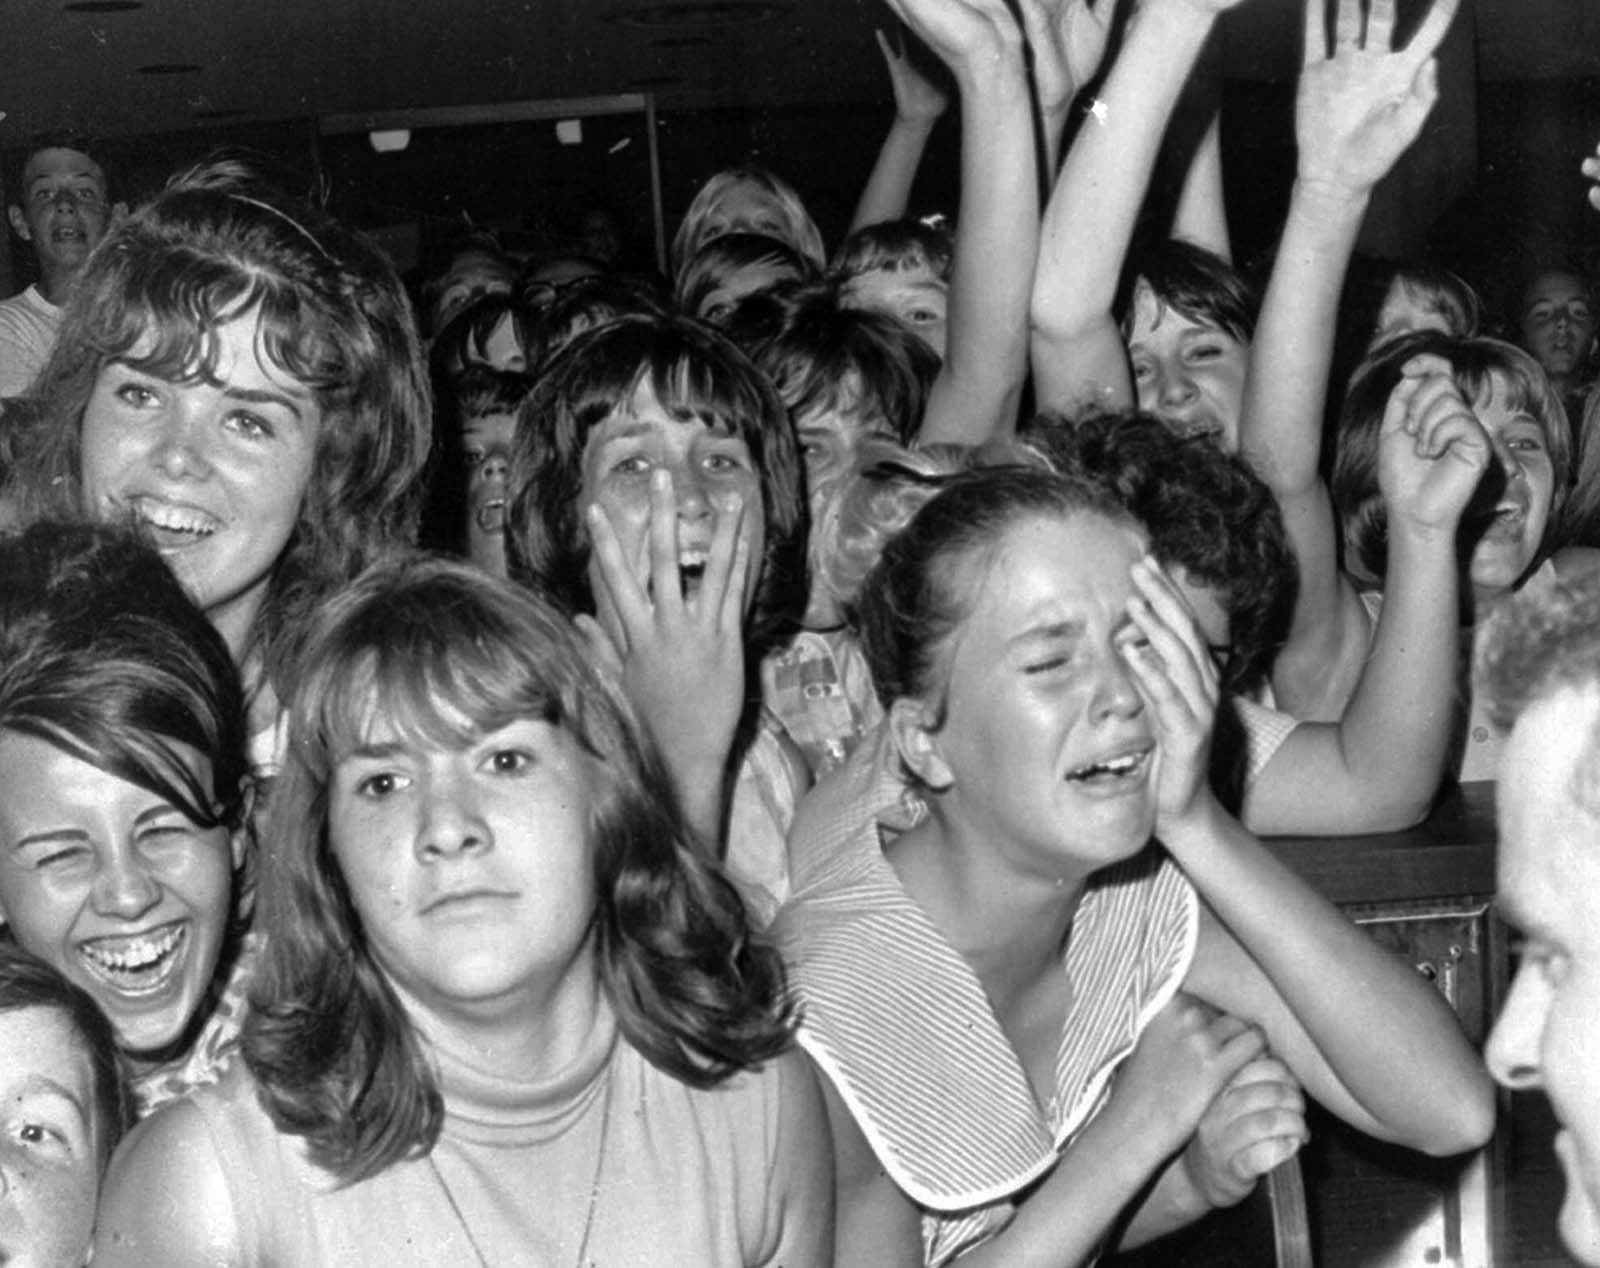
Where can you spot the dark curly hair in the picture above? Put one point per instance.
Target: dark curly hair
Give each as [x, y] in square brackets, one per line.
[1207, 513]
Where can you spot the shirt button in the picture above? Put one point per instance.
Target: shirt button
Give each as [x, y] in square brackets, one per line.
[1480, 734]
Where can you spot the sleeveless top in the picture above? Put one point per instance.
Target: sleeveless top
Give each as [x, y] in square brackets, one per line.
[683, 1179]
[900, 1024]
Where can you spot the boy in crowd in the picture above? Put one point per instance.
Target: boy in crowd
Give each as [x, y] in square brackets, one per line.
[61, 210]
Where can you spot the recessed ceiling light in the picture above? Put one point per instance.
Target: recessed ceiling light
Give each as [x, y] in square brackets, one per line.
[669, 17]
[103, 6]
[169, 68]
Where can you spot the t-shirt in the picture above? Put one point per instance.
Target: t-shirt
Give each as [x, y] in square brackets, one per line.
[28, 324]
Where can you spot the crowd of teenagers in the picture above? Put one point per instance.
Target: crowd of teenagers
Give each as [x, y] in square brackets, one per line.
[761, 767]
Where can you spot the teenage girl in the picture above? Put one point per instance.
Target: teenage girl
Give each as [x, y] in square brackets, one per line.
[1068, 992]
[123, 795]
[509, 1015]
[239, 376]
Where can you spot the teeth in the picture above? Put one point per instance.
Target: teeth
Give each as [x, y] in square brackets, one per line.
[174, 519]
[133, 955]
[1116, 766]
[693, 558]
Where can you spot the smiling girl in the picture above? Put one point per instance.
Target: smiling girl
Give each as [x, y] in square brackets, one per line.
[509, 1014]
[239, 376]
[123, 793]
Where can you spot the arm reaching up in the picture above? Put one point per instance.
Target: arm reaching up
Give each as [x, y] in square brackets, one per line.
[1077, 352]
[1360, 105]
[919, 101]
[976, 393]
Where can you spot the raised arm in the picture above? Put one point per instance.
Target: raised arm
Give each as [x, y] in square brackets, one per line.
[1068, 41]
[1077, 352]
[1377, 769]
[1365, 1034]
[1359, 107]
[978, 387]
[918, 103]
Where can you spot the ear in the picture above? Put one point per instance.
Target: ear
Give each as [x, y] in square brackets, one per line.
[118, 212]
[916, 739]
[19, 223]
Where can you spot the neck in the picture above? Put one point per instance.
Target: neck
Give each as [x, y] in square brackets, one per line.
[56, 284]
[536, 1034]
[1009, 925]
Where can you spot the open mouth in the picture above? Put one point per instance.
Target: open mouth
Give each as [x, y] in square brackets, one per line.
[491, 515]
[172, 527]
[137, 964]
[1114, 772]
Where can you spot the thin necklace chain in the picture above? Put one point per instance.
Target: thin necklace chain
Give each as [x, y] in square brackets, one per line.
[594, 1187]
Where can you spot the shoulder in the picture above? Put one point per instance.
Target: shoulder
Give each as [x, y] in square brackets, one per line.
[166, 1198]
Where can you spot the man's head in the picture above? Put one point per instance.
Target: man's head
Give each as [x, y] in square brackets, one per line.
[1539, 669]
[60, 208]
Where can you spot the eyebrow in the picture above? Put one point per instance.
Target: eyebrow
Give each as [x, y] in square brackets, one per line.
[1063, 630]
[259, 396]
[47, 837]
[35, 1083]
[373, 752]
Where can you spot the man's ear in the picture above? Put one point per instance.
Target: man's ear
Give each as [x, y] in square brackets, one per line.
[916, 739]
[19, 223]
[119, 212]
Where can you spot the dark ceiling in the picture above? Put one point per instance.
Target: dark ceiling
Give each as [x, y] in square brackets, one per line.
[120, 68]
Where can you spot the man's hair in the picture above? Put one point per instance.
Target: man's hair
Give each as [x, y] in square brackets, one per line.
[60, 139]
[1543, 640]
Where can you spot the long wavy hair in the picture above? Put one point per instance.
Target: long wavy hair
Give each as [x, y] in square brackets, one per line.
[694, 373]
[216, 243]
[447, 653]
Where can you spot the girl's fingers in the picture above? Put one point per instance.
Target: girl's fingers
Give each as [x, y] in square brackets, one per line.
[1380, 25]
[666, 586]
[731, 618]
[1175, 621]
[1347, 26]
[1314, 40]
[714, 580]
[1432, 30]
[619, 586]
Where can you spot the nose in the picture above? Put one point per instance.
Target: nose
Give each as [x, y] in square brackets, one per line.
[689, 486]
[124, 887]
[1116, 695]
[495, 467]
[1174, 387]
[1512, 1053]
[452, 823]
[180, 444]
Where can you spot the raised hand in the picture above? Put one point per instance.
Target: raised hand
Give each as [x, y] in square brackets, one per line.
[1254, 1123]
[1362, 103]
[1178, 680]
[1432, 450]
[918, 97]
[1068, 39]
[966, 35]
[681, 657]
